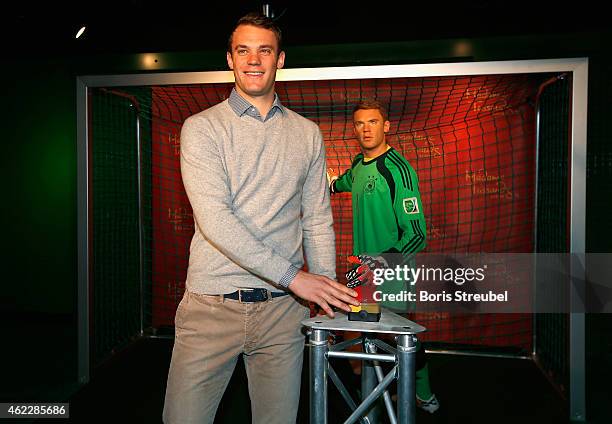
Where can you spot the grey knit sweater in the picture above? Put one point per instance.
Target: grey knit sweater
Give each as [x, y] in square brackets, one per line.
[260, 199]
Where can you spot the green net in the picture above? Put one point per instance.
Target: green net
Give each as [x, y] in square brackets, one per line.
[552, 330]
[115, 289]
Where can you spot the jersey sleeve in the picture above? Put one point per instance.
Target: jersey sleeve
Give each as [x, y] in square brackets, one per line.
[344, 182]
[408, 212]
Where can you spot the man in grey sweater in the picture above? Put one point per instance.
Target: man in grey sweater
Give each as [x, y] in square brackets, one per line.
[254, 172]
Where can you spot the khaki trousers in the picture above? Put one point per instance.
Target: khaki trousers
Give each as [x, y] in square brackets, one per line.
[211, 333]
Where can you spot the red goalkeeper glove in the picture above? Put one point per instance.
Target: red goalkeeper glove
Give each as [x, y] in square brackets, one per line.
[363, 272]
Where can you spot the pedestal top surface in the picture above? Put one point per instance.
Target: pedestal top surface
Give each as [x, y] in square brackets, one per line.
[389, 323]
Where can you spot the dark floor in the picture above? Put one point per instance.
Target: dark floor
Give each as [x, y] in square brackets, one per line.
[39, 357]
[470, 389]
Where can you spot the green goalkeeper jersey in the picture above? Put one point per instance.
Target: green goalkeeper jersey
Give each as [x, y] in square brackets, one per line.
[387, 210]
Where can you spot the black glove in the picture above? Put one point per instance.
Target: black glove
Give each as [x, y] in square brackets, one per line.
[363, 272]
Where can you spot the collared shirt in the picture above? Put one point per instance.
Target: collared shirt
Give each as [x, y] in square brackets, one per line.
[242, 106]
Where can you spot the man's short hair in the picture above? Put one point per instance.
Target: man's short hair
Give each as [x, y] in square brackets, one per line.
[371, 104]
[258, 20]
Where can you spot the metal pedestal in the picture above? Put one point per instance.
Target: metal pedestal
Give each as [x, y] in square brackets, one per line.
[374, 383]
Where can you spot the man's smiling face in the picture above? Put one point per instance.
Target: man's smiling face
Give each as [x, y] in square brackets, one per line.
[254, 59]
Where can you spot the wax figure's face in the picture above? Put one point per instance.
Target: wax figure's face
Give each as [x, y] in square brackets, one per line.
[370, 128]
[254, 59]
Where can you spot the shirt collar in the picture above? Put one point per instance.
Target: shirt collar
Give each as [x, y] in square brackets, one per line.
[241, 106]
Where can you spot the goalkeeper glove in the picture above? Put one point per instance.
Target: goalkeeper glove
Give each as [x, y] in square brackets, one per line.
[331, 178]
[363, 272]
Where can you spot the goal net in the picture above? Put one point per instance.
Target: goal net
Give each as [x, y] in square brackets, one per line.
[471, 140]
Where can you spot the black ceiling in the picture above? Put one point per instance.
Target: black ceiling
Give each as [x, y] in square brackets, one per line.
[185, 25]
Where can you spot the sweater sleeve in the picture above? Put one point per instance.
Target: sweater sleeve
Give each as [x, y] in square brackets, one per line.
[207, 186]
[317, 220]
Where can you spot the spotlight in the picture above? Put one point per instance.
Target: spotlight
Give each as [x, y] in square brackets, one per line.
[81, 31]
[267, 11]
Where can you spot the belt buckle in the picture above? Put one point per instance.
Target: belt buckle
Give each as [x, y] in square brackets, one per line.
[240, 295]
[266, 296]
